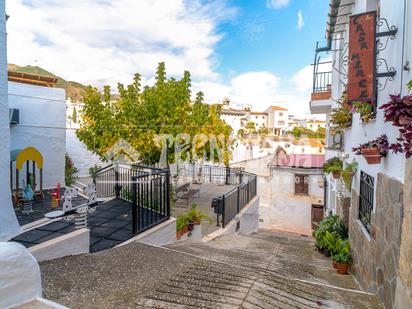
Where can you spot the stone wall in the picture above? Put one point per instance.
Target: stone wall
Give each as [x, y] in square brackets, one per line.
[376, 255]
[404, 286]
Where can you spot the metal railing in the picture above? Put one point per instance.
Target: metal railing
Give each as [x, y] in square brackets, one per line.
[366, 194]
[150, 199]
[146, 188]
[235, 200]
[229, 204]
[322, 82]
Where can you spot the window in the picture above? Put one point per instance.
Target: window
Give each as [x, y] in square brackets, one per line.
[366, 192]
[302, 184]
[280, 114]
[281, 123]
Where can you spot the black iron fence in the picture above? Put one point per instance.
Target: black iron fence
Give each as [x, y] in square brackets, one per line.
[322, 82]
[231, 203]
[235, 200]
[366, 194]
[146, 188]
[150, 199]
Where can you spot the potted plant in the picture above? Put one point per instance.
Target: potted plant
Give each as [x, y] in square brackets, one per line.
[365, 110]
[333, 166]
[326, 225]
[341, 116]
[348, 172]
[181, 226]
[374, 150]
[398, 111]
[195, 217]
[342, 261]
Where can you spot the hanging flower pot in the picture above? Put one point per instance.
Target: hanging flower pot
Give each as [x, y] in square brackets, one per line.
[372, 155]
[374, 150]
[336, 175]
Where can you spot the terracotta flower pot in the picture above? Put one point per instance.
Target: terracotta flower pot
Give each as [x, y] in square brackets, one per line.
[178, 234]
[372, 155]
[334, 265]
[185, 230]
[336, 175]
[341, 268]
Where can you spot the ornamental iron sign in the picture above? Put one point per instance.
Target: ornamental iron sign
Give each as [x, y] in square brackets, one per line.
[362, 58]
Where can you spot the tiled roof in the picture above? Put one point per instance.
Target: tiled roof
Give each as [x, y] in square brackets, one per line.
[299, 160]
[278, 108]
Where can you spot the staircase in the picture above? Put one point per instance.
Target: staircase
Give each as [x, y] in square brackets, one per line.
[265, 270]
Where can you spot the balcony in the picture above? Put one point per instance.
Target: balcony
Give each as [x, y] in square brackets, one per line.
[320, 102]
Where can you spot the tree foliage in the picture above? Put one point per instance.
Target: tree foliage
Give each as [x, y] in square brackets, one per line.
[298, 132]
[152, 117]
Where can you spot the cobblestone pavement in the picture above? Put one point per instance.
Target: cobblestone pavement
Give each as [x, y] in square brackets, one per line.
[263, 270]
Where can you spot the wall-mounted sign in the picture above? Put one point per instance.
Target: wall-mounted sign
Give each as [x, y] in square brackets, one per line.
[362, 58]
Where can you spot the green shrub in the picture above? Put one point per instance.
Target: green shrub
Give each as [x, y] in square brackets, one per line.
[332, 225]
[332, 165]
[347, 173]
[70, 171]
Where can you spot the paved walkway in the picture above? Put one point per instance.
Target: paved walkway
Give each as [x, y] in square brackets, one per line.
[208, 191]
[264, 270]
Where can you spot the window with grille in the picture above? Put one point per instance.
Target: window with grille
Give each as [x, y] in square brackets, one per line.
[302, 184]
[366, 193]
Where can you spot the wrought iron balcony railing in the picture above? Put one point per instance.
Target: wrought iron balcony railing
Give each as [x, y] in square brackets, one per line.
[322, 82]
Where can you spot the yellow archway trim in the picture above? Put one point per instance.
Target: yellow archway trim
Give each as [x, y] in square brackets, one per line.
[29, 154]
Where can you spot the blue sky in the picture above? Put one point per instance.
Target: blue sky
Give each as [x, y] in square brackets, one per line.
[255, 52]
[262, 38]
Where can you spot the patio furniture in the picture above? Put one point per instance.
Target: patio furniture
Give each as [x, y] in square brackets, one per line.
[184, 192]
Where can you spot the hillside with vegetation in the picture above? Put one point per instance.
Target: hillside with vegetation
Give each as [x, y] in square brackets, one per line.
[74, 90]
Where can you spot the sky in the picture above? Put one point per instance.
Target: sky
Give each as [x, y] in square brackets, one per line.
[255, 52]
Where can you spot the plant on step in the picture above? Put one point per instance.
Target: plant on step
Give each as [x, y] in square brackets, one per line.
[342, 258]
[341, 115]
[333, 166]
[366, 110]
[324, 226]
[196, 216]
[373, 150]
[181, 222]
[348, 172]
[69, 171]
[398, 111]
[333, 225]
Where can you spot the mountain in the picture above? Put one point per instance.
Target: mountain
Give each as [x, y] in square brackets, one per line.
[74, 90]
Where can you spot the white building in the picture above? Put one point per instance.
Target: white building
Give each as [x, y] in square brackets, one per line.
[290, 188]
[378, 208]
[41, 123]
[9, 226]
[277, 119]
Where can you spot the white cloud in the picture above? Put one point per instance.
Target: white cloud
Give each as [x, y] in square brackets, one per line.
[301, 22]
[276, 4]
[259, 89]
[303, 79]
[98, 41]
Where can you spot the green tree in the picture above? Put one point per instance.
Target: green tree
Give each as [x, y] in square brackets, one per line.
[251, 127]
[143, 116]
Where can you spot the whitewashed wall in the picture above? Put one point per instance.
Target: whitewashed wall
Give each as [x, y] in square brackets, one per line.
[42, 125]
[8, 222]
[398, 51]
[285, 210]
[280, 208]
